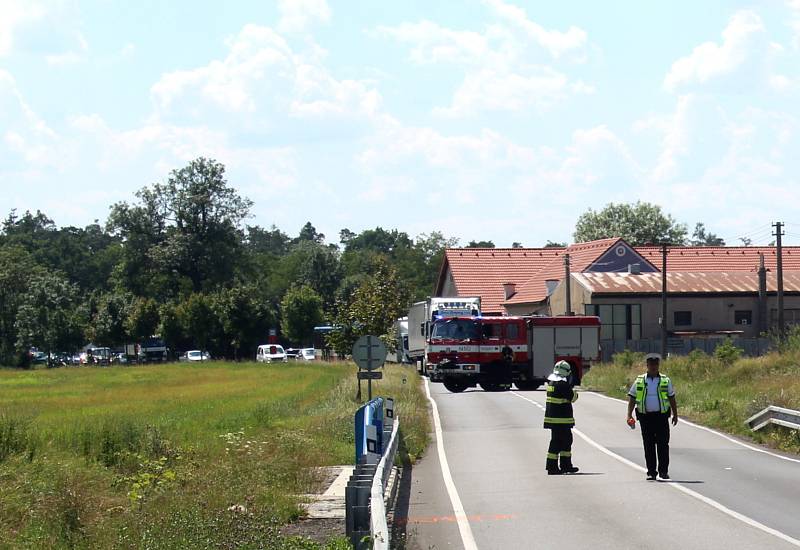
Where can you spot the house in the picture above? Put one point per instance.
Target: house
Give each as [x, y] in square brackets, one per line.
[711, 290]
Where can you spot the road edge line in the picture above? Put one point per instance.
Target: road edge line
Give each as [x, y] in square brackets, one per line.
[694, 494]
[710, 430]
[464, 528]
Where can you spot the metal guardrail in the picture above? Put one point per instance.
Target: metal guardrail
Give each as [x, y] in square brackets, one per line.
[779, 416]
[379, 530]
[376, 446]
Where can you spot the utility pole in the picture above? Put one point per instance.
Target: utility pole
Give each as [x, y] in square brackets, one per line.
[762, 296]
[568, 309]
[778, 234]
[663, 300]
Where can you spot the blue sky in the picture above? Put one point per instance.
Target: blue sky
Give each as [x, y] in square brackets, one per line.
[482, 119]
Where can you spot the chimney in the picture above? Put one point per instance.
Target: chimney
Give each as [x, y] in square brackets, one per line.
[509, 289]
[634, 269]
[551, 285]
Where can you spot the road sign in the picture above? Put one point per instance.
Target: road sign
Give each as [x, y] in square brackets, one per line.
[370, 375]
[369, 353]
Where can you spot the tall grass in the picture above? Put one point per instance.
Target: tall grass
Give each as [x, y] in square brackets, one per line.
[177, 456]
[719, 391]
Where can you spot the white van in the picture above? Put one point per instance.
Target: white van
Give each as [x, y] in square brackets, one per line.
[271, 353]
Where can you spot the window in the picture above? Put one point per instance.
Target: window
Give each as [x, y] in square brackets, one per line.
[492, 331]
[682, 318]
[512, 332]
[618, 321]
[744, 317]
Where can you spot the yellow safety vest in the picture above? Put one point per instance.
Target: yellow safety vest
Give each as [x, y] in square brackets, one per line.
[641, 389]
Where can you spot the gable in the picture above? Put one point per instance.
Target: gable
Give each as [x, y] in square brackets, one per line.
[617, 259]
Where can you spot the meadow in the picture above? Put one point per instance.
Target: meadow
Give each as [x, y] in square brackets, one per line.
[719, 391]
[180, 455]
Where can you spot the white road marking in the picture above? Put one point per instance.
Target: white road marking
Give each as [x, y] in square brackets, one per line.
[458, 509]
[702, 498]
[709, 430]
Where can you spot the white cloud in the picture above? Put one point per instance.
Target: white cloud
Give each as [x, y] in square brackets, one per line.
[555, 42]
[299, 15]
[742, 42]
[489, 90]
[254, 53]
[13, 14]
[262, 72]
[505, 65]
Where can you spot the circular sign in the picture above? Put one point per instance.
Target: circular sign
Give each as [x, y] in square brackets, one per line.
[369, 353]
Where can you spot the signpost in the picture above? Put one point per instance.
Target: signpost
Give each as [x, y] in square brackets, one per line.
[369, 353]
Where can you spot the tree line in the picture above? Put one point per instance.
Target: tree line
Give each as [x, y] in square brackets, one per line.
[181, 262]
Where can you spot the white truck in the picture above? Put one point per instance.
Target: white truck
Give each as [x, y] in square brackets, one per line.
[423, 314]
[400, 333]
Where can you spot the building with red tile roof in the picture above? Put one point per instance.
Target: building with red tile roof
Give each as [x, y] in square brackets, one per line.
[627, 279]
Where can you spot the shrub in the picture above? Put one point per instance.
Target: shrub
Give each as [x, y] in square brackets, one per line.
[628, 359]
[726, 353]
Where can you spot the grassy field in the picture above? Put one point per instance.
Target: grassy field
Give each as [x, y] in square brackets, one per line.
[178, 456]
[718, 392]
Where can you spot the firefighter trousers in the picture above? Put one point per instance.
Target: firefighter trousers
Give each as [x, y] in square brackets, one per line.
[560, 448]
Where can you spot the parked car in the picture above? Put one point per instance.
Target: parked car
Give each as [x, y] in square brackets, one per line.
[307, 354]
[120, 358]
[271, 353]
[195, 355]
[293, 354]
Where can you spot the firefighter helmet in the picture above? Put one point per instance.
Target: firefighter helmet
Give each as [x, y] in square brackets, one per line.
[561, 371]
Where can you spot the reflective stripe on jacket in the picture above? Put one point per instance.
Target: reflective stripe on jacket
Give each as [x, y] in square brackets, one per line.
[641, 389]
[558, 408]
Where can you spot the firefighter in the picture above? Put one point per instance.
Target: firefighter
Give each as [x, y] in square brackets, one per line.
[559, 420]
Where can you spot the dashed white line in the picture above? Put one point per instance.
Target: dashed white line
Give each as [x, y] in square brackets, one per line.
[713, 503]
[458, 509]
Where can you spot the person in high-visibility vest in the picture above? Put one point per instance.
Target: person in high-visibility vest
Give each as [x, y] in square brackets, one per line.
[559, 420]
[653, 397]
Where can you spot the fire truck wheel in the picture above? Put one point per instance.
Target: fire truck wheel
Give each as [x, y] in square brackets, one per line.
[455, 387]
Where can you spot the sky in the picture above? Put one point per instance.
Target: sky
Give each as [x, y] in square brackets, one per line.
[498, 120]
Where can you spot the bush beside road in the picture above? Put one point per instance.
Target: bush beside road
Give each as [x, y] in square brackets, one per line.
[207, 455]
[720, 391]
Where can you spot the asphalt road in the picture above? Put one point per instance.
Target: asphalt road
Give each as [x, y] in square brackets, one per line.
[722, 494]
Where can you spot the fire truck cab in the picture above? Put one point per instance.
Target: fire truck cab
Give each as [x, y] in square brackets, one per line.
[495, 352]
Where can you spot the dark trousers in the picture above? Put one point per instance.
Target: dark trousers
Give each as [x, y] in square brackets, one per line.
[560, 447]
[655, 436]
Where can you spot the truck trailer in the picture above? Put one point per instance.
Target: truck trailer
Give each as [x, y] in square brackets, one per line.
[423, 314]
[496, 352]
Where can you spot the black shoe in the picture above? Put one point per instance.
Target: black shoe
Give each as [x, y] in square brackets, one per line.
[665, 475]
[554, 472]
[651, 477]
[570, 470]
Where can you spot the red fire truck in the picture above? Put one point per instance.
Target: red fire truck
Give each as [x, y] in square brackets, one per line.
[498, 351]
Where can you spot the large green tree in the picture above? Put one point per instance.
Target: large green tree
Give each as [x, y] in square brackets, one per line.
[199, 320]
[142, 319]
[109, 318]
[245, 319]
[372, 309]
[639, 224]
[188, 227]
[17, 268]
[301, 311]
[48, 315]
